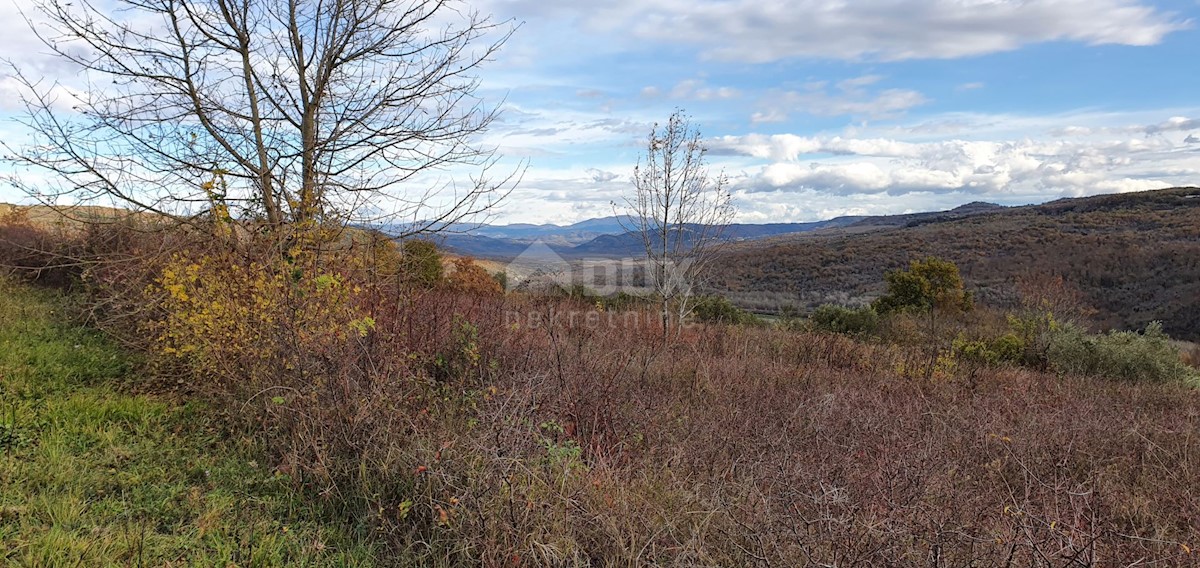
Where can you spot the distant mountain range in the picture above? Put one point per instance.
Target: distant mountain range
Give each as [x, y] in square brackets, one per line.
[607, 237]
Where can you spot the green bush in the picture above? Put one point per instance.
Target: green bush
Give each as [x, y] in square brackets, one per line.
[717, 309]
[576, 292]
[1148, 356]
[849, 321]
[624, 301]
[422, 263]
[1007, 348]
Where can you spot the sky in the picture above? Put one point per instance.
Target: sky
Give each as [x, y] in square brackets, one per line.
[816, 109]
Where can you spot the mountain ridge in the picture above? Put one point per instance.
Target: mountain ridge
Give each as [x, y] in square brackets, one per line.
[607, 236]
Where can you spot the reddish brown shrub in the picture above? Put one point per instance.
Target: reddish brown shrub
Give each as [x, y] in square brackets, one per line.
[470, 278]
[38, 253]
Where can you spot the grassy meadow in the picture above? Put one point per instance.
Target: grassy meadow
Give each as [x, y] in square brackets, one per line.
[94, 475]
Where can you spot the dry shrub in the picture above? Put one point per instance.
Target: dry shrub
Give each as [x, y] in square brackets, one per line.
[746, 446]
[807, 450]
[1190, 353]
[470, 278]
[499, 431]
[1053, 294]
[38, 253]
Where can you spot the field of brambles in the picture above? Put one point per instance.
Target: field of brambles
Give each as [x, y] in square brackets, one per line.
[425, 417]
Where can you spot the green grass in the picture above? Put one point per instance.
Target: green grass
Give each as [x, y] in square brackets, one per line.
[93, 476]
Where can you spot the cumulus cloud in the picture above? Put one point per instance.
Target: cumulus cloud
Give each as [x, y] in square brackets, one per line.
[854, 166]
[1174, 124]
[759, 31]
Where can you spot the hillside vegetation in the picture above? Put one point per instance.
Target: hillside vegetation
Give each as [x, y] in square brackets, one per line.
[1135, 258]
[457, 425]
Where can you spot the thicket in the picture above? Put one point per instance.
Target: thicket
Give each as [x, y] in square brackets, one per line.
[717, 309]
[860, 322]
[927, 306]
[1128, 355]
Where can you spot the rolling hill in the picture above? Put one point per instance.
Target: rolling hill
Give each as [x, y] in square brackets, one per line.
[1135, 257]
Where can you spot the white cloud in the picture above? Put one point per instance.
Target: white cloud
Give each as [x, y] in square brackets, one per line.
[851, 97]
[601, 176]
[857, 83]
[758, 31]
[544, 131]
[995, 168]
[768, 116]
[790, 147]
[1174, 124]
[693, 89]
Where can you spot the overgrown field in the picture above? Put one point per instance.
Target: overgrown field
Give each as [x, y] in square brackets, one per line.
[460, 426]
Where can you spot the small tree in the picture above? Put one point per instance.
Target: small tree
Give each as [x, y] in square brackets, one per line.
[928, 286]
[421, 263]
[680, 213]
[931, 288]
[471, 278]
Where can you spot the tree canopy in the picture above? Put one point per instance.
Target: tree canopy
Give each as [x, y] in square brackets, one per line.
[928, 284]
[309, 110]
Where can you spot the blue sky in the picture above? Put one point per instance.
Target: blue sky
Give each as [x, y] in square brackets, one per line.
[823, 108]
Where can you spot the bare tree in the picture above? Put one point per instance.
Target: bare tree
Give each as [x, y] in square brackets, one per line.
[680, 212]
[309, 110]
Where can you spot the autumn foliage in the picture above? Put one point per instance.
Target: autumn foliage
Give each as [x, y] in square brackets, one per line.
[470, 278]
